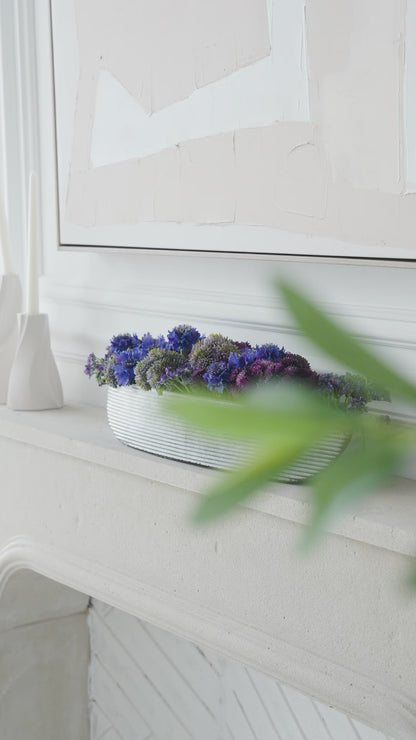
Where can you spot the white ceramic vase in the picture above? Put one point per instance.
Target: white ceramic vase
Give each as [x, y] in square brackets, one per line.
[10, 305]
[34, 383]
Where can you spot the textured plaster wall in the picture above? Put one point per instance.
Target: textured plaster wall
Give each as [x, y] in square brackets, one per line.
[275, 115]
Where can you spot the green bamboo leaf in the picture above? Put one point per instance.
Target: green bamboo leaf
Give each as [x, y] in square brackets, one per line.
[339, 344]
[235, 487]
[274, 412]
[412, 577]
[361, 469]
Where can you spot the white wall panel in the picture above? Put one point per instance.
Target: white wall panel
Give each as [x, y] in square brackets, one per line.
[43, 660]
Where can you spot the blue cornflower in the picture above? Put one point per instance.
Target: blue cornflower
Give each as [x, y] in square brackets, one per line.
[147, 342]
[270, 352]
[161, 343]
[238, 360]
[123, 342]
[217, 376]
[183, 337]
[124, 374]
[124, 365]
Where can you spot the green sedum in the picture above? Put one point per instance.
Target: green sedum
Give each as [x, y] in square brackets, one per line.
[151, 368]
[215, 348]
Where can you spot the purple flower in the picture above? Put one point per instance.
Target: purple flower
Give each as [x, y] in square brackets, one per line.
[186, 359]
[248, 355]
[89, 367]
[296, 366]
[171, 373]
[243, 345]
[292, 359]
[217, 376]
[259, 370]
[101, 368]
[183, 337]
[176, 379]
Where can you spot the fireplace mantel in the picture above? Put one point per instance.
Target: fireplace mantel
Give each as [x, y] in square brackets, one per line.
[112, 522]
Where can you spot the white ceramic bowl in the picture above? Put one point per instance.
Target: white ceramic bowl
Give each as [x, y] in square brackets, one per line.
[138, 419]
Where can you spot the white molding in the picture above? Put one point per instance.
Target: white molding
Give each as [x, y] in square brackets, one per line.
[224, 308]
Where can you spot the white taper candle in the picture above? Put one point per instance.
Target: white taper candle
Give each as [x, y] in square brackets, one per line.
[5, 248]
[33, 248]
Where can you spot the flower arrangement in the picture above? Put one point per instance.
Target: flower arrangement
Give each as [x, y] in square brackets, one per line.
[185, 360]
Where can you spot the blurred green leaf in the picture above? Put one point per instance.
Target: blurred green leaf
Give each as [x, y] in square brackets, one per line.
[362, 468]
[339, 344]
[277, 411]
[412, 578]
[237, 486]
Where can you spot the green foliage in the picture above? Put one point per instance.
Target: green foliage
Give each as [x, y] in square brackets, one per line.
[350, 391]
[287, 420]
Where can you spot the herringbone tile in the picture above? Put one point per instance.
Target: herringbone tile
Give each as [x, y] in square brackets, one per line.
[147, 684]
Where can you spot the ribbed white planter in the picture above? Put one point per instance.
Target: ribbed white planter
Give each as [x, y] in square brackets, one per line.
[138, 419]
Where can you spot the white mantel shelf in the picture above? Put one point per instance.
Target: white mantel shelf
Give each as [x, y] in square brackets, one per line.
[111, 522]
